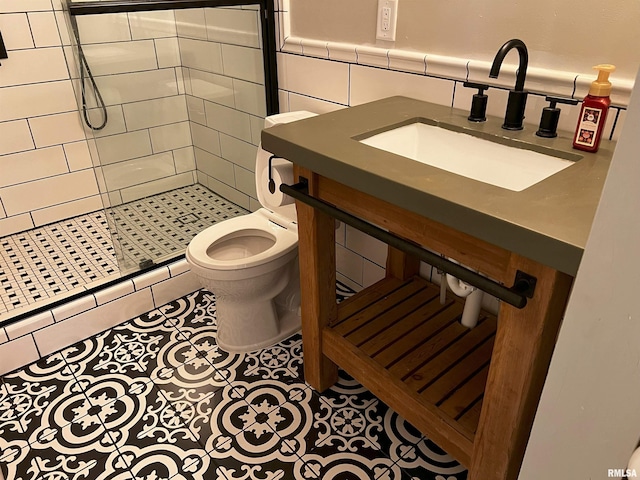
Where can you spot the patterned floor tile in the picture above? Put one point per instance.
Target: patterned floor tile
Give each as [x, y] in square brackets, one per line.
[80, 448]
[254, 431]
[37, 392]
[161, 423]
[191, 382]
[195, 311]
[118, 350]
[16, 460]
[350, 417]
[169, 461]
[253, 449]
[347, 466]
[418, 456]
[156, 398]
[282, 362]
[166, 349]
[11, 411]
[116, 401]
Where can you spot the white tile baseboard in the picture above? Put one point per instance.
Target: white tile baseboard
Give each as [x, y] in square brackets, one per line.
[542, 81]
[34, 338]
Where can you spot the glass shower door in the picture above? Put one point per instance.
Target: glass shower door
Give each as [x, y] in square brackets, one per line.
[175, 102]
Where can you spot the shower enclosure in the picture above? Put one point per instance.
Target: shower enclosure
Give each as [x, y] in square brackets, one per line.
[173, 94]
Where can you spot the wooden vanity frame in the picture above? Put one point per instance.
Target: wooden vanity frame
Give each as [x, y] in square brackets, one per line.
[523, 344]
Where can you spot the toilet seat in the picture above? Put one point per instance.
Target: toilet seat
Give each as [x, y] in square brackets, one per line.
[261, 223]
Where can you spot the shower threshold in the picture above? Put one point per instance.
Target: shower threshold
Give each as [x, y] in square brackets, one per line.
[49, 263]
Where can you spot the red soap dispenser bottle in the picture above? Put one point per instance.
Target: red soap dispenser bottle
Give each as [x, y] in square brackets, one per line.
[593, 114]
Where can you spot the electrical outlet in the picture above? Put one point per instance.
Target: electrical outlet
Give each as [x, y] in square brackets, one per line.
[387, 16]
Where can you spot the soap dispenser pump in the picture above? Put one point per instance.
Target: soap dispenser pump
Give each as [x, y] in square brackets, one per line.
[479, 102]
[593, 114]
[550, 116]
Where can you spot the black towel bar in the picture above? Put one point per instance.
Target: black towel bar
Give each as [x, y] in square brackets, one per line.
[524, 284]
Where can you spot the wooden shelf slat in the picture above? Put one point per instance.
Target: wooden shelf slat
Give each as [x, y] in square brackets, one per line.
[393, 299]
[357, 302]
[386, 320]
[412, 340]
[470, 419]
[457, 375]
[443, 430]
[424, 342]
[427, 373]
[466, 395]
[396, 332]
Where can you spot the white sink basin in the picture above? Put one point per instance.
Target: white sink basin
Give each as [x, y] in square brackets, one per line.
[463, 154]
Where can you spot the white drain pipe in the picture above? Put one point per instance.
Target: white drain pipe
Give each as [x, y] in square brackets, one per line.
[473, 301]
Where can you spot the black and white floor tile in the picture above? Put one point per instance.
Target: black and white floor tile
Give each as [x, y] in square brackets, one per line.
[155, 398]
[56, 258]
[156, 227]
[45, 261]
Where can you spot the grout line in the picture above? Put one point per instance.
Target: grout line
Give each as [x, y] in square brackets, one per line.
[36, 344]
[33, 39]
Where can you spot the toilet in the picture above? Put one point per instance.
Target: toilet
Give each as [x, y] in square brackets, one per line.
[250, 263]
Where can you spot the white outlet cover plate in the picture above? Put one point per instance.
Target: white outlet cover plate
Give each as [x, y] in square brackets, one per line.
[386, 25]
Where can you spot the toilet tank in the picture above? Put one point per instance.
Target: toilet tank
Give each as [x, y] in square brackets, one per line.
[282, 205]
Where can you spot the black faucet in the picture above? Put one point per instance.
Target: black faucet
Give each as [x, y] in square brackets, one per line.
[517, 97]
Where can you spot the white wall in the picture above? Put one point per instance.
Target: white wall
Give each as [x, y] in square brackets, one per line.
[588, 420]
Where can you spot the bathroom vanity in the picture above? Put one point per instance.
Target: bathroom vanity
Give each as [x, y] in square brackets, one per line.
[473, 392]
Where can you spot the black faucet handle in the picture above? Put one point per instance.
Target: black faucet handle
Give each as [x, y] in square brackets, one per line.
[554, 100]
[479, 102]
[551, 116]
[480, 86]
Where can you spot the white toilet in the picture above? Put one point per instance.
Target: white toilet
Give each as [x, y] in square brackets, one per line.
[250, 263]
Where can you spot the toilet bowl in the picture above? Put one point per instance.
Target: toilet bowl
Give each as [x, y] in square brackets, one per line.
[250, 263]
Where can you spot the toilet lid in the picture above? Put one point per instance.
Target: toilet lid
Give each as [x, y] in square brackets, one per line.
[270, 241]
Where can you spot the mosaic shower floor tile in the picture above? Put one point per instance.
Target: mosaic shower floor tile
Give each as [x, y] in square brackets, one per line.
[38, 264]
[155, 398]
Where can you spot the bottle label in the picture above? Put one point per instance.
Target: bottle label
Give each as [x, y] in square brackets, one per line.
[586, 134]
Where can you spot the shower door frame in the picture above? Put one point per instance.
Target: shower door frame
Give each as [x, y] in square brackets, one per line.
[267, 20]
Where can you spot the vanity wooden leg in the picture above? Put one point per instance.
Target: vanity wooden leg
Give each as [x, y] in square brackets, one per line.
[401, 265]
[316, 243]
[522, 352]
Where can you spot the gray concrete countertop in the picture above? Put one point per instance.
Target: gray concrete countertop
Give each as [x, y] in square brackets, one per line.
[548, 222]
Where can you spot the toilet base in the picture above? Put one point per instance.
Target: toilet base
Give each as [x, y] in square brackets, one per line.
[283, 323]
